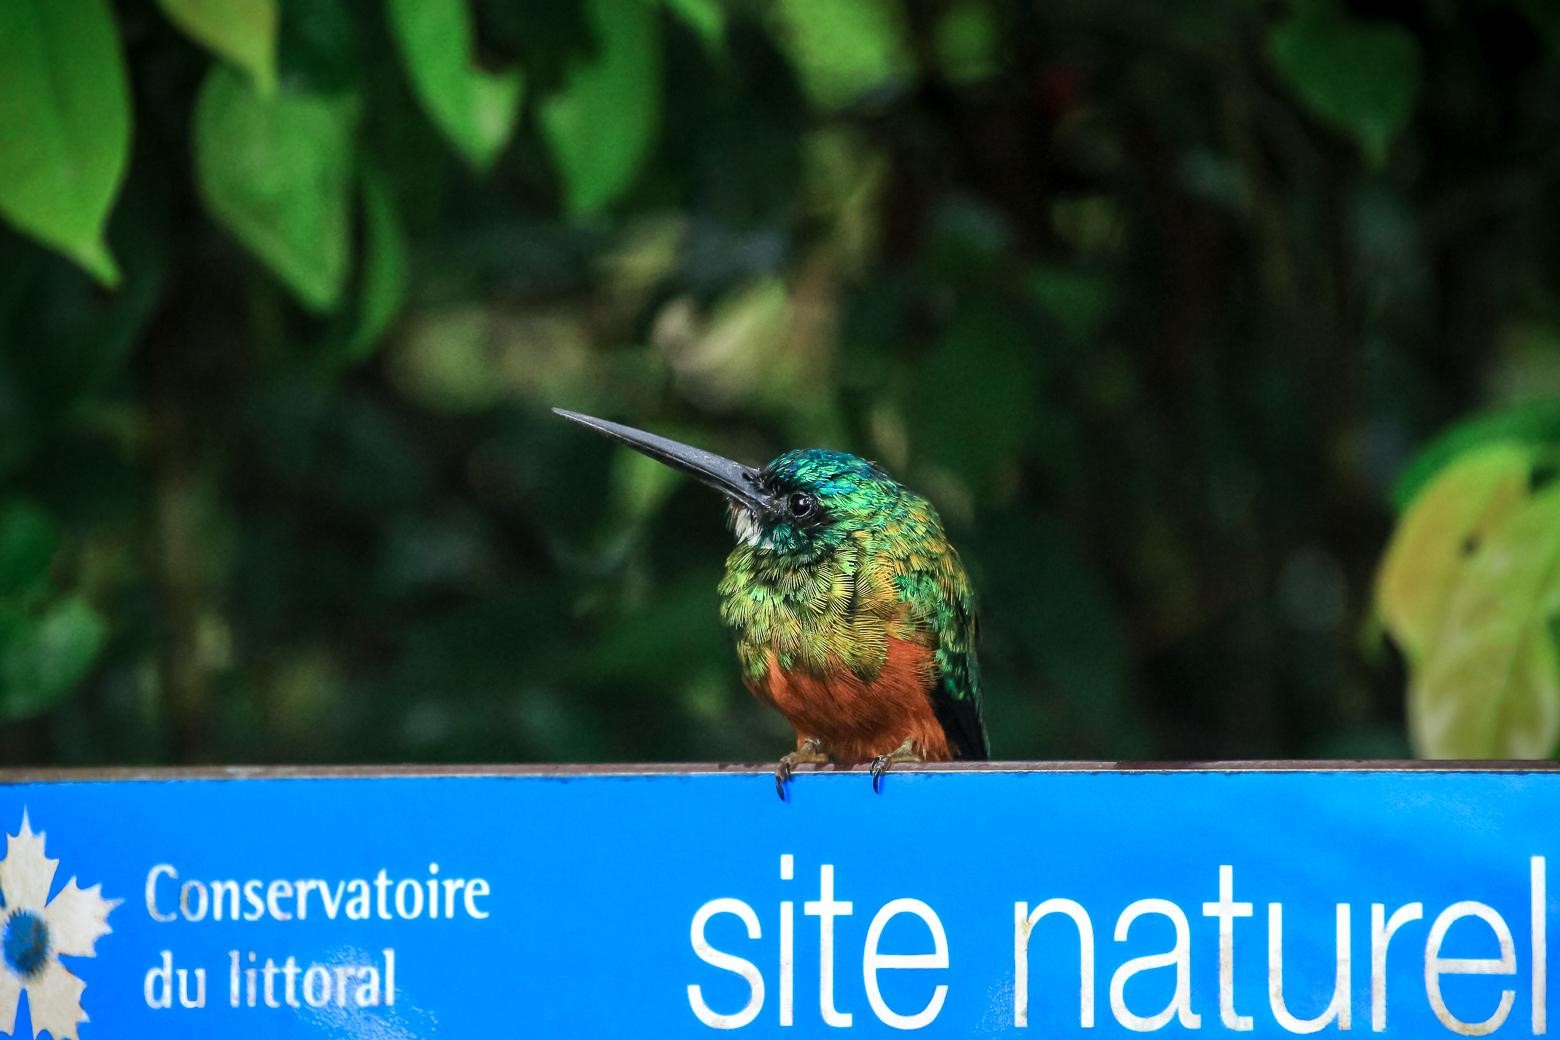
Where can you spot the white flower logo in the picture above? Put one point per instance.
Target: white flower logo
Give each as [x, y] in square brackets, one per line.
[35, 931]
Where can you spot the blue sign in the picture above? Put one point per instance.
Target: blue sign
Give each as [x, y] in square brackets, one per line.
[983, 903]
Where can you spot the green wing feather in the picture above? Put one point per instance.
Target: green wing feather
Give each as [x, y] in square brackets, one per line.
[934, 588]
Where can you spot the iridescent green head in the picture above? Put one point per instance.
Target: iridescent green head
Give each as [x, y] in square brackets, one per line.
[816, 499]
[802, 505]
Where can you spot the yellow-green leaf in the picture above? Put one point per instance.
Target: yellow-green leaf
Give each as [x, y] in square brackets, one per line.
[1534, 426]
[841, 50]
[476, 110]
[239, 31]
[277, 172]
[64, 125]
[1489, 686]
[1438, 537]
[602, 124]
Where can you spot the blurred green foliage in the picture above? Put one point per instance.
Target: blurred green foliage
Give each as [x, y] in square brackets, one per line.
[1155, 301]
[1470, 588]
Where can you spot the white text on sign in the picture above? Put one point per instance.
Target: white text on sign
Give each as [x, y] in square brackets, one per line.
[277, 981]
[1065, 919]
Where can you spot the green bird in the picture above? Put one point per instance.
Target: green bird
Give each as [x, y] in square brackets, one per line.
[852, 613]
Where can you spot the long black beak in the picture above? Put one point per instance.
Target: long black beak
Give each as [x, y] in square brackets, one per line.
[736, 481]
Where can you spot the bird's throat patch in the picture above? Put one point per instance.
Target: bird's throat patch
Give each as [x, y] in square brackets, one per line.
[748, 528]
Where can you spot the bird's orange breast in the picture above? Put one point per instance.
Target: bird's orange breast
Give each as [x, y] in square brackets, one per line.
[859, 719]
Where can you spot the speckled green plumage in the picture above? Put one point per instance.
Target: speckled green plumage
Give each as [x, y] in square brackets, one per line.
[872, 563]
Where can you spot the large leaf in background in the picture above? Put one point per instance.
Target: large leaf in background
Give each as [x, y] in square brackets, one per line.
[603, 122]
[240, 31]
[476, 110]
[277, 172]
[64, 125]
[1360, 77]
[1490, 684]
[28, 540]
[841, 50]
[1438, 537]
[43, 658]
[1530, 425]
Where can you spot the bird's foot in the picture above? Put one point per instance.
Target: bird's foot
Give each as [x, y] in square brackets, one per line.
[905, 752]
[808, 752]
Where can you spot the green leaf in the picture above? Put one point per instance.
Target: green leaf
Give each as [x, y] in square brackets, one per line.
[841, 50]
[1438, 536]
[43, 660]
[968, 42]
[603, 123]
[28, 542]
[64, 126]
[1359, 77]
[277, 172]
[1490, 684]
[638, 491]
[705, 17]
[476, 110]
[1532, 425]
[384, 266]
[239, 31]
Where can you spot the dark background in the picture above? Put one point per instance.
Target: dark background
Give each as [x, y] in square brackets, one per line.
[1154, 301]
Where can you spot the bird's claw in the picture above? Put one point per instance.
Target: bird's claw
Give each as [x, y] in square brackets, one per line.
[903, 753]
[808, 751]
[879, 767]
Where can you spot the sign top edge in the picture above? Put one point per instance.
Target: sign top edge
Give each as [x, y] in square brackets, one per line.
[573, 771]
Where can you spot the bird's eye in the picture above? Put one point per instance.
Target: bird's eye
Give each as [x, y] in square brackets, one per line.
[801, 505]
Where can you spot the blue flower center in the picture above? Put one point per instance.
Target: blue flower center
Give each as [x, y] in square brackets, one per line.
[26, 943]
